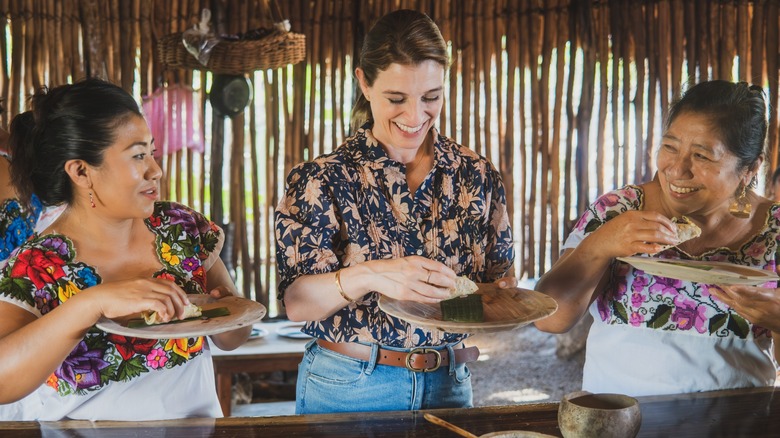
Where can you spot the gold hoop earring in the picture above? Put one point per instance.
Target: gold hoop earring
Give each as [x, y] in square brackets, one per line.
[741, 207]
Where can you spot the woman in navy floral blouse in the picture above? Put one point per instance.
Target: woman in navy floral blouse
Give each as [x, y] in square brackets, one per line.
[115, 251]
[657, 335]
[397, 210]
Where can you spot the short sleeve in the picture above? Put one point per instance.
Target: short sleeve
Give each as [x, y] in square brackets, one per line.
[306, 226]
[500, 249]
[37, 276]
[20, 295]
[189, 229]
[606, 207]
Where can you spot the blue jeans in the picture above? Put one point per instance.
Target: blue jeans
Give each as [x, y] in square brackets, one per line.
[331, 382]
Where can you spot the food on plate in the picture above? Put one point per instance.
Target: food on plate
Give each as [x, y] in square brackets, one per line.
[463, 305]
[463, 286]
[688, 265]
[467, 308]
[190, 311]
[686, 230]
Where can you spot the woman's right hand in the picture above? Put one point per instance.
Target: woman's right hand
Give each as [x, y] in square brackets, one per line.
[633, 232]
[412, 278]
[123, 298]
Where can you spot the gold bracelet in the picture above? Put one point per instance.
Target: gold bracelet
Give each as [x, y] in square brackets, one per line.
[341, 290]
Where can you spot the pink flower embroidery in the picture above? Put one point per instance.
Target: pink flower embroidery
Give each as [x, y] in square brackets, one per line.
[665, 285]
[640, 282]
[636, 319]
[756, 250]
[156, 358]
[637, 299]
[605, 202]
[688, 314]
[603, 306]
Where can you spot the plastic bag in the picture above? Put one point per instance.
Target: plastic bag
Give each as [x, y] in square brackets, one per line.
[200, 39]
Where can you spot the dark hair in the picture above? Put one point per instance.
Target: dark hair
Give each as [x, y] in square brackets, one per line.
[403, 37]
[68, 122]
[737, 111]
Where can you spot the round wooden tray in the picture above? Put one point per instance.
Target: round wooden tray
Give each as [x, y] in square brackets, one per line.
[504, 309]
[243, 312]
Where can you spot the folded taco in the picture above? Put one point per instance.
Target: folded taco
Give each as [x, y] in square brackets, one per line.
[190, 311]
[686, 230]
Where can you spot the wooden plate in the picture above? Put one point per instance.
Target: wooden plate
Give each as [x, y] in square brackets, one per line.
[243, 312]
[504, 309]
[706, 272]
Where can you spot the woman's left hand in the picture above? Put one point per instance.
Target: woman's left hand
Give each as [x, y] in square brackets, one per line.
[759, 305]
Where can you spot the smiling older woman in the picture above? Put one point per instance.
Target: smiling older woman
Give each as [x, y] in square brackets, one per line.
[654, 335]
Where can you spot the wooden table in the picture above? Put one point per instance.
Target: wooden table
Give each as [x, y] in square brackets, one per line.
[263, 355]
[735, 413]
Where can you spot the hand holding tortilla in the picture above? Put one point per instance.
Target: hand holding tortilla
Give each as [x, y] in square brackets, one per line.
[190, 311]
[686, 230]
[465, 305]
[463, 286]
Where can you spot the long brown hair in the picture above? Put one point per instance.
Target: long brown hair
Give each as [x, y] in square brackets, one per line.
[404, 37]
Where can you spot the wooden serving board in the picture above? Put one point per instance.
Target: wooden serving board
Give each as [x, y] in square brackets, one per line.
[504, 309]
[243, 312]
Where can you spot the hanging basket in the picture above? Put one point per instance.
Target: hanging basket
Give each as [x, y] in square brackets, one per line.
[237, 56]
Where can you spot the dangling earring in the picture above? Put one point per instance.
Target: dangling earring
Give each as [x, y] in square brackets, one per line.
[741, 207]
[91, 200]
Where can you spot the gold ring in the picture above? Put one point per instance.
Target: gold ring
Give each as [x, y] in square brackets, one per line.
[428, 280]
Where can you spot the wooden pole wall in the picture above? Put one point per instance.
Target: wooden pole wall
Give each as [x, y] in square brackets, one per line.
[565, 97]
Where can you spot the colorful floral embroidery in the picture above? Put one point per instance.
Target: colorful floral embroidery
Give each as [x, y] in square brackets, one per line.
[354, 205]
[17, 223]
[636, 298]
[44, 273]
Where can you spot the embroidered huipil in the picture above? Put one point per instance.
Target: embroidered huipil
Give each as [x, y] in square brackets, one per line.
[109, 376]
[655, 335]
[16, 221]
[354, 205]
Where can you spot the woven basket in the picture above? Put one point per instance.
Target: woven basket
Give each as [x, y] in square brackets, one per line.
[237, 57]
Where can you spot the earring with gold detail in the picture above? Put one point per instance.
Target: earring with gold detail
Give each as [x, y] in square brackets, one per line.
[91, 200]
[741, 207]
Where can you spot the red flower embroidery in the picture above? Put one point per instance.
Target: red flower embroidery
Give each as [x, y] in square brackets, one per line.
[166, 276]
[155, 221]
[39, 266]
[129, 347]
[199, 275]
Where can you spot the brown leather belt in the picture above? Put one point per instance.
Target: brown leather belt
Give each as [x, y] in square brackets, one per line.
[418, 359]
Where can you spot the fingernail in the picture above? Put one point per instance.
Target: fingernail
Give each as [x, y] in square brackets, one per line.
[502, 283]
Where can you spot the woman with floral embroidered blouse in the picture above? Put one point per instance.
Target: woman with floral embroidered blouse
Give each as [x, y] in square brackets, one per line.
[655, 335]
[397, 210]
[17, 221]
[116, 250]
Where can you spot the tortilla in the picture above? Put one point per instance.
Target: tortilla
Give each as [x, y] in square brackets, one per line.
[190, 311]
[463, 286]
[686, 230]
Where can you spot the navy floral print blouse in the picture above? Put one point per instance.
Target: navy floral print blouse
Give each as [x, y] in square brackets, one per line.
[354, 205]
